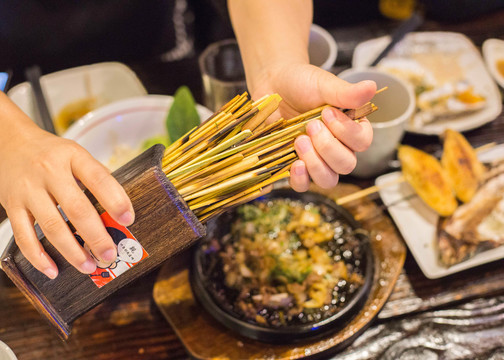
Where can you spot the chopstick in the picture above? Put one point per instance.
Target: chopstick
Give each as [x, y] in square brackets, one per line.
[407, 26]
[33, 76]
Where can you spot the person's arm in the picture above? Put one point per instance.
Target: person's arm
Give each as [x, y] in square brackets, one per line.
[273, 38]
[38, 172]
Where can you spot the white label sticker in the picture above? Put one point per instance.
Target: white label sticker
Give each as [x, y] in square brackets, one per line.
[129, 250]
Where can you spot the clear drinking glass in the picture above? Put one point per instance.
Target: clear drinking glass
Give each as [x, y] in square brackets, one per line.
[222, 73]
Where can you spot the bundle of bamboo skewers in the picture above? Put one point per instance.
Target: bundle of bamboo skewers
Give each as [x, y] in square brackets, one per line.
[235, 155]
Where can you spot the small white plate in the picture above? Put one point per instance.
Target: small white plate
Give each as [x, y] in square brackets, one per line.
[6, 353]
[127, 122]
[418, 225]
[493, 50]
[469, 60]
[5, 235]
[107, 82]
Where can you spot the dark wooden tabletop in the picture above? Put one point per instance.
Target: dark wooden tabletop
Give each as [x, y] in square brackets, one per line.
[129, 325]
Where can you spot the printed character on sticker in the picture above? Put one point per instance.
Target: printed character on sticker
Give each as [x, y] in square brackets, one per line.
[128, 250]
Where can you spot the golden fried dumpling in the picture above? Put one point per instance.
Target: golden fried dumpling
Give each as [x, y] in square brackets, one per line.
[461, 164]
[425, 174]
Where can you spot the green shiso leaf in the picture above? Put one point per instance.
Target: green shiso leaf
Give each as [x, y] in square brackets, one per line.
[182, 115]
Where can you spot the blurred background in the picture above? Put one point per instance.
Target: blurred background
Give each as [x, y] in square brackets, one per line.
[59, 34]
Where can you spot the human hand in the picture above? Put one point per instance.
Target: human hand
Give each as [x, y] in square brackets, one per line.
[329, 147]
[39, 171]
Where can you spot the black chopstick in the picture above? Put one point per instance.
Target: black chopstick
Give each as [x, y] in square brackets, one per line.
[33, 74]
[407, 26]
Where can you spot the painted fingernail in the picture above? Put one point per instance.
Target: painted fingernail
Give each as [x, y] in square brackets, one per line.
[126, 218]
[88, 267]
[303, 144]
[51, 273]
[109, 255]
[313, 127]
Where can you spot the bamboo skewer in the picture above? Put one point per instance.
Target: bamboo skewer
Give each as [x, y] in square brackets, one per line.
[368, 191]
[235, 156]
[245, 193]
[361, 112]
[225, 173]
[381, 90]
[182, 180]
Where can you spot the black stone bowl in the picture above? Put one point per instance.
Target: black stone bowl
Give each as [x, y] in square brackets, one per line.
[203, 285]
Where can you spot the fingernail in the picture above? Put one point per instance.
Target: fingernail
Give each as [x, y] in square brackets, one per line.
[367, 83]
[88, 267]
[299, 170]
[51, 273]
[126, 218]
[303, 144]
[313, 127]
[329, 115]
[109, 255]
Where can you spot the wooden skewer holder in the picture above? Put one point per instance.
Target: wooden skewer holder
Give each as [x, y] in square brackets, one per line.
[164, 226]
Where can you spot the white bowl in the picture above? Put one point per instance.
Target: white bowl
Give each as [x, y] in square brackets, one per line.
[107, 82]
[395, 109]
[322, 48]
[124, 123]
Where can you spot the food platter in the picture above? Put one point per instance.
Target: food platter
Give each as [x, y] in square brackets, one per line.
[418, 224]
[68, 89]
[204, 337]
[493, 52]
[441, 53]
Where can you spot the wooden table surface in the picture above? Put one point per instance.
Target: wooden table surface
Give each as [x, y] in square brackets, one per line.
[129, 325]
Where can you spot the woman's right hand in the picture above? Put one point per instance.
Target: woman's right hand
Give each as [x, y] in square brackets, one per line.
[39, 171]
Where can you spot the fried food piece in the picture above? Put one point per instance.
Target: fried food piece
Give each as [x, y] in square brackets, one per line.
[425, 174]
[461, 164]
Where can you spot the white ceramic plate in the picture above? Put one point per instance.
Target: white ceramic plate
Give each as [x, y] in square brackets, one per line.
[5, 236]
[6, 353]
[417, 224]
[127, 122]
[493, 50]
[468, 58]
[108, 82]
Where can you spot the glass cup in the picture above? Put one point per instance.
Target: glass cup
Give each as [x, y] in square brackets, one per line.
[222, 69]
[396, 106]
[222, 73]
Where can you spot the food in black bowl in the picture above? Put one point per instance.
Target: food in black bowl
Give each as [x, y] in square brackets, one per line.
[285, 267]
